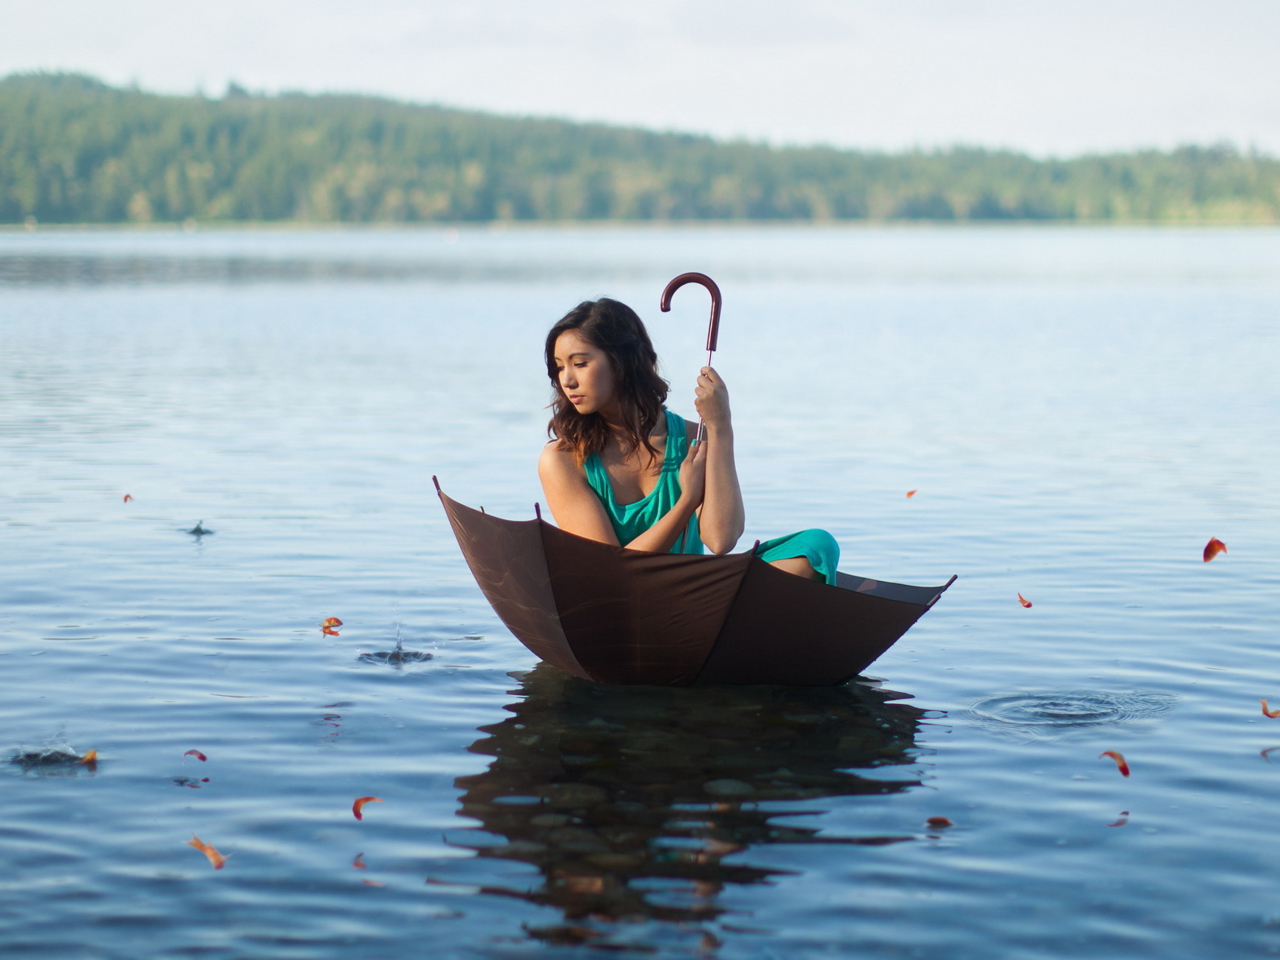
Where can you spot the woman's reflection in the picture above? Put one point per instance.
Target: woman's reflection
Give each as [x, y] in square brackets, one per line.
[629, 799]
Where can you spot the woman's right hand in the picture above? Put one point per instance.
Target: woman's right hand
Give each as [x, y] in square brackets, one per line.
[693, 474]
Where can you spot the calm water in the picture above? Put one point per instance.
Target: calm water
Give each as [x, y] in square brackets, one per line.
[1080, 411]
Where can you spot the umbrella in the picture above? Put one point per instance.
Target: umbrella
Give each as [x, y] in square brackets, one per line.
[605, 613]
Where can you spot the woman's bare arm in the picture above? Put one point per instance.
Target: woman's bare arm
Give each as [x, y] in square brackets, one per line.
[570, 498]
[578, 510]
[722, 517]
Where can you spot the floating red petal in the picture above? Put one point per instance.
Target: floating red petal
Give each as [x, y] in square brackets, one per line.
[1121, 764]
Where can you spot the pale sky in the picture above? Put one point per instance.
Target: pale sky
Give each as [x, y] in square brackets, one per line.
[1060, 79]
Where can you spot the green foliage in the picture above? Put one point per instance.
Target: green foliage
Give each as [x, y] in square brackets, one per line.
[74, 150]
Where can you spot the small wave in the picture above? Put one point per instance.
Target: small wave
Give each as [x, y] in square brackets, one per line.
[1050, 715]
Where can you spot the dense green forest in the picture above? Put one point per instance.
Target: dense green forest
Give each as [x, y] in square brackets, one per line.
[74, 150]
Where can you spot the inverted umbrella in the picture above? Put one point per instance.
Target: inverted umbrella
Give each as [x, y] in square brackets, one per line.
[613, 615]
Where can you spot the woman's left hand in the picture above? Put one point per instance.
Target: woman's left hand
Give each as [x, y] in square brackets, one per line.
[711, 399]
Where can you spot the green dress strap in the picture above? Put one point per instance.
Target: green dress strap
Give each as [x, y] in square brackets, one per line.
[629, 520]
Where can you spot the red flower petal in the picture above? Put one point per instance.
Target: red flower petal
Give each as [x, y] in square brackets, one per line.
[215, 858]
[1118, 757]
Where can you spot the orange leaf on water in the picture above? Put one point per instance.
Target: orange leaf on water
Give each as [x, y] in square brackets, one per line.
[215, 858]
[1024, 601]
[90, 758]
[1124, 818]
[332, 622]
[358, 806]
[359, 863]
[1213, 548]
[128, 497]
[910, 494]
[330, 632]
[940, 822]
[1118, 757]
[1268, 712]
[194, 753]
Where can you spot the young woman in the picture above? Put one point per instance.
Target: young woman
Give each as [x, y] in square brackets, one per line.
[623, 469]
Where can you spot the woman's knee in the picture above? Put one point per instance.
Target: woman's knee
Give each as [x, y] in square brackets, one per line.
[822, 540]
[826, 547]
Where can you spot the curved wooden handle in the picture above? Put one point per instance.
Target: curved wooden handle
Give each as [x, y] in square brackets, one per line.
[713, 330]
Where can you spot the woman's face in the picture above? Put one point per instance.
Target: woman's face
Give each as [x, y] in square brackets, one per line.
[585, 373]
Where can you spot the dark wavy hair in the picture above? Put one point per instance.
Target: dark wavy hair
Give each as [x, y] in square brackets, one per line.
[616, 329]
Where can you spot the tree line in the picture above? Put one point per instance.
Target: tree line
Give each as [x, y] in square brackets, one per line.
[75, 150]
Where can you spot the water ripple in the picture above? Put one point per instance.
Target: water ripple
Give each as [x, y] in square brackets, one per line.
[1041, 716]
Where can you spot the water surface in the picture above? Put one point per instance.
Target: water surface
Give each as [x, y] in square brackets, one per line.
[1078, 409]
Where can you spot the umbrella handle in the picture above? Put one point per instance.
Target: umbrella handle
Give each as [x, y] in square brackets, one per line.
[713, 328]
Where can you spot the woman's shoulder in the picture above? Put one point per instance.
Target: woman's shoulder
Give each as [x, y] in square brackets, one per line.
[555, 454]
[557, 461]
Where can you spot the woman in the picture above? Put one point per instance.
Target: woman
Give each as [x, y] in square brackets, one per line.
[623, 469]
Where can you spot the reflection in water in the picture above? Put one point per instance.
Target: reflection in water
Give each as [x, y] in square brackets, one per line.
[89, 269]
[629, 799]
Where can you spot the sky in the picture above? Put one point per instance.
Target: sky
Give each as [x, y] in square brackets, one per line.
[1050, 79]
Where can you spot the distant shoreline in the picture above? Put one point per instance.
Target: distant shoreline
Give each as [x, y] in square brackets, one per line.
[498, 227]
[77, 151]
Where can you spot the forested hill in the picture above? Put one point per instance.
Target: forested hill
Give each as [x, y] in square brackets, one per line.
[73, 150]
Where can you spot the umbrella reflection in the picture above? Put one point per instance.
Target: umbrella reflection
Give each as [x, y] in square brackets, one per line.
[629, 800]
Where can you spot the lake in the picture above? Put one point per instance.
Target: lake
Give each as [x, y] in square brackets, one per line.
[1079, 410]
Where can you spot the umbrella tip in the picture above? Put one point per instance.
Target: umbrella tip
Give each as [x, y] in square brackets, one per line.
[537, 510]
[437, 483]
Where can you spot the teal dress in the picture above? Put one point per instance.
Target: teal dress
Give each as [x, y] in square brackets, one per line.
[632, 519]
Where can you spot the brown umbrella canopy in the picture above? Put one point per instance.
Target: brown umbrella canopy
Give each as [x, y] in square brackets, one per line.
[612, 615]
